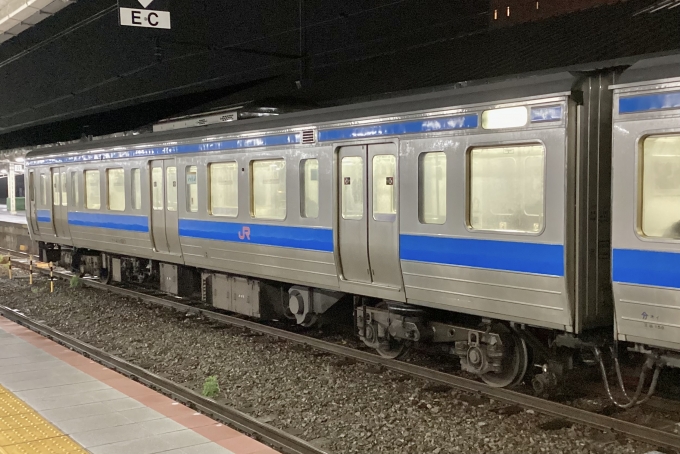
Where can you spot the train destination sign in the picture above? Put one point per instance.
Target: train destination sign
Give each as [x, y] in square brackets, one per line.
[134, 13]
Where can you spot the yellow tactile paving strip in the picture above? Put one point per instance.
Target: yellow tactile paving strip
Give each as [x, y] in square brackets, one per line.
[23, 431]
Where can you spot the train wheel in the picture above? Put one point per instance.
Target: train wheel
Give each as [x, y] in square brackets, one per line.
[393, 349]
[105, 271]
[514, 365]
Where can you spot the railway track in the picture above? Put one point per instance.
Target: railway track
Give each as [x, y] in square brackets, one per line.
[655, 437]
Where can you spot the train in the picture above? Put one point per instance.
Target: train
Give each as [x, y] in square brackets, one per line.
[518, 222]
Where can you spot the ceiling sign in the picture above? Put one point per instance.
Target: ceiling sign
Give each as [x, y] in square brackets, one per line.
[135, 13]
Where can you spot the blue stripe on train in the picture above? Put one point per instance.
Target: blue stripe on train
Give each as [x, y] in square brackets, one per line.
[645, 103]
[44, 216]
[234, 144]
[546, 259]
[110, 221]
[633, 266]
[404, 127]
[316, 239]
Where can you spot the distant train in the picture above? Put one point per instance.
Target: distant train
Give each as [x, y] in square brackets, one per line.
[492, 219]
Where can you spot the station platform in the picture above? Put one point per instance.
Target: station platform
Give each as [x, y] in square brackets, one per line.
[7, 217]
[53, 400]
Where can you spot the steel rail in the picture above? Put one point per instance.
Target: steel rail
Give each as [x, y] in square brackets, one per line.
[234, 418]
[638, 432]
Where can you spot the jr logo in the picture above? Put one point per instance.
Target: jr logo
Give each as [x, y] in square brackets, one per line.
[244, 234]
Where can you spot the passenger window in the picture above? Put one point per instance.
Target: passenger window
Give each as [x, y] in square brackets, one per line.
[171, 187]
[43, 189]
[223, 189]
[116, 188]
[352, 187]
[56, 190]
[432, 188]
[506, 188]
[92, 190]
[74, 189]
[136, 189]
[268, 189]
[384, 179]
[157, 188]
[660, 216]
[309, 188]
[64, 189]
[192, 189]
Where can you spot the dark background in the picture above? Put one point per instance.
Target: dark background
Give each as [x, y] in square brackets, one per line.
[79, 72]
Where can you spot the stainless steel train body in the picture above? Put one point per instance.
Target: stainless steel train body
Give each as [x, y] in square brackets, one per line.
[490, 200]
[646, 205]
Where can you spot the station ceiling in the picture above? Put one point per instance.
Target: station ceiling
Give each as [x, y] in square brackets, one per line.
[79, 72]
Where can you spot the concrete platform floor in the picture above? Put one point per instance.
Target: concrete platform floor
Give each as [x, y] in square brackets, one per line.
[101, 410]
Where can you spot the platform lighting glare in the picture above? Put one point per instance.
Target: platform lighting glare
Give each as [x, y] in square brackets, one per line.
[19, 160]
[510, 117]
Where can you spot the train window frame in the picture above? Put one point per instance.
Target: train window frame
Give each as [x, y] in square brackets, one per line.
[421, 158]
[210, 208]
[87, 201]
[303, 187]
[639, 189]
[118, 197]
[252, 167]
[468, 187]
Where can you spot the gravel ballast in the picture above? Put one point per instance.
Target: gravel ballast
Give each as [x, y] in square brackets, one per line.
[342, 406]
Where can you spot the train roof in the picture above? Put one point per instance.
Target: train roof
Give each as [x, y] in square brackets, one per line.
[474, 93]
[653, 69]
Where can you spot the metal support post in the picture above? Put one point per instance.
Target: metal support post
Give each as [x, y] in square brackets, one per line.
[11, 190]
[30, 269]
[10, 267]
[51, 278]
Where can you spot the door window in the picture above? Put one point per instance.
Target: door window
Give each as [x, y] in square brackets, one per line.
[157, 188]
[56, 189]
[171, 189]
[74, 189]
[384, 180]
[136, 189]
[44, 187]
[64, 189]
[352, 187]
[31, 186]
[192, 189]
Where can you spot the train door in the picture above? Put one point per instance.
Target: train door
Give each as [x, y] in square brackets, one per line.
[368, 221]
[60, 202]
[32, 202]
[164, 216]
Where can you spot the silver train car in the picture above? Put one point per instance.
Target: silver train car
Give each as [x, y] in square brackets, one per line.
[646, 209]
[475, 218]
